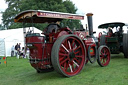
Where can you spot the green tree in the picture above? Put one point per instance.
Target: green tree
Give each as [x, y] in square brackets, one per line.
[2, 27]
[17, 6]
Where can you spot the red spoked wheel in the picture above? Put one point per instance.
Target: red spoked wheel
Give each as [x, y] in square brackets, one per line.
[103, 56]
[68, 55]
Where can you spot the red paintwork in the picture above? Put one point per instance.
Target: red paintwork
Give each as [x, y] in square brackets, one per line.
[80, 34]
[41, 50]
[87, 40]
[92, 51]
[34, 39]
[36, 51]
[58, 15]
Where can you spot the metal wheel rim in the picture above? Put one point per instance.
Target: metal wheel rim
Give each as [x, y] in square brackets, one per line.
[65, 65]
[104, 56]
[72, 50]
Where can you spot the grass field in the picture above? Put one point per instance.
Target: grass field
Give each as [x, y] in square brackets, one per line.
[19, 72]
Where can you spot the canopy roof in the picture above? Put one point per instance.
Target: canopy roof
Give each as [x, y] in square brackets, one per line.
[112, 25]
[41, 16]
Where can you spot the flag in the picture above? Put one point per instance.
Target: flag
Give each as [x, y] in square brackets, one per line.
[5, 60]
[0, 59]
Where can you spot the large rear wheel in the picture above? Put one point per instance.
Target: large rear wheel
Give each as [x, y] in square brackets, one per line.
[103, 56]
[68, 55]
[125, 45]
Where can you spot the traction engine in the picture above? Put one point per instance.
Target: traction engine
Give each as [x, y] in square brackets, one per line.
[116, 41]
[62, 49]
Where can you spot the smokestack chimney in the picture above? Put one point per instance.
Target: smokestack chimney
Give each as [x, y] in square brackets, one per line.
[90, 24]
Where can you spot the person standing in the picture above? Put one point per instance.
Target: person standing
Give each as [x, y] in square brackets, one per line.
[27, 53]
[12, 51]
[22, 53]
[16, 53]
[19, 46]
[18, 50]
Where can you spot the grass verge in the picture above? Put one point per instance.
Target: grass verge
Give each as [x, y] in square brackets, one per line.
[20, 72]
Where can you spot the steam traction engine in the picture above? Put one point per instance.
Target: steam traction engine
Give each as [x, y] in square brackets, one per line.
[116, 41]
[59, 48]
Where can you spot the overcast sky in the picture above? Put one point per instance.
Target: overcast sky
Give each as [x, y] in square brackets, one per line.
[104, 10]
[3, 6]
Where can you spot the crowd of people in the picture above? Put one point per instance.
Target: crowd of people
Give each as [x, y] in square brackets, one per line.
[18, 52]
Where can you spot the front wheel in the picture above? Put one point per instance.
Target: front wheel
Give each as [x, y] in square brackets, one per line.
[103, 56]
[92, 54]
[68, 55]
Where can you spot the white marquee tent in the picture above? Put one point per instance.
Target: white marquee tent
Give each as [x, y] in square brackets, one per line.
[9, 38]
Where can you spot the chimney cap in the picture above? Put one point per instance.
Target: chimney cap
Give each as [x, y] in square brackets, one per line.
[89, 14]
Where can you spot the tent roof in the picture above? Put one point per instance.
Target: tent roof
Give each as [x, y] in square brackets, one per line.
[8, 34]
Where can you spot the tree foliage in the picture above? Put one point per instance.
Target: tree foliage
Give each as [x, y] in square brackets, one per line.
[17, 6]
[2, 27]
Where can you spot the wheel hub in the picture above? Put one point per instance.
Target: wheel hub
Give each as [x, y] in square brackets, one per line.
[71, 55]
[105, 56]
